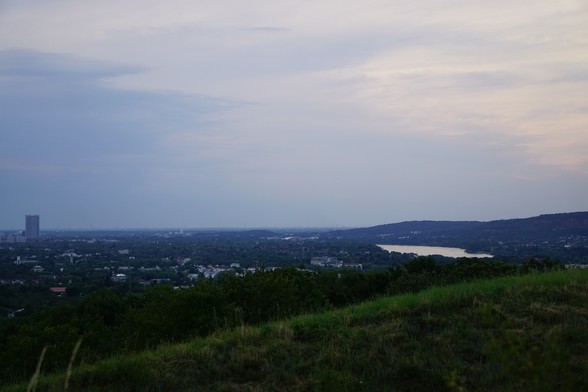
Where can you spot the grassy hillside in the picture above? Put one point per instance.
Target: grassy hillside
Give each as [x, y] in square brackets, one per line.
[516, 333]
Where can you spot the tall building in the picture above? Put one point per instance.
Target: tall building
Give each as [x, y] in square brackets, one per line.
[32, 227]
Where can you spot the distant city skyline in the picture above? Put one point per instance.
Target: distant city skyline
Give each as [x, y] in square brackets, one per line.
[142, 114]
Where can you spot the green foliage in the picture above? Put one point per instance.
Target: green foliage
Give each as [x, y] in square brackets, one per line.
[514, 333]
[113, 323]
[422, 264]
[537, 366]
[538, 264]
[272, 295]
[167, 315]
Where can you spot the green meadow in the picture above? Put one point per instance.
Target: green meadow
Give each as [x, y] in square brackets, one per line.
[525, 333]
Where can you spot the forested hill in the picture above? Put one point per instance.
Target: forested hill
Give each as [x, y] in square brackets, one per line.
[541, 227]
[566, 229]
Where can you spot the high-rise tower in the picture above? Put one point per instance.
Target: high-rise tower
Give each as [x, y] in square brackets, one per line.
[32, 227]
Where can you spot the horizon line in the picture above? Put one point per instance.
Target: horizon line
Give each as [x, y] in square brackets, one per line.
[248, 228]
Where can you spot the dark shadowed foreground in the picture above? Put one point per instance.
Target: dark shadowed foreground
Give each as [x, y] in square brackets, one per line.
[515, 333]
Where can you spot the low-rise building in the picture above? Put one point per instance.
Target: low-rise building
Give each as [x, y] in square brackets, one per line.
[326, 261]
[119, 278]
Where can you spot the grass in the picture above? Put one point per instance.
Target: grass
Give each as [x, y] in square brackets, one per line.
[515, 333]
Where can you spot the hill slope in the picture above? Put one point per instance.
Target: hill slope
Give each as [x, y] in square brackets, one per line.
[539, 228]
[527, 333]
[563, 236]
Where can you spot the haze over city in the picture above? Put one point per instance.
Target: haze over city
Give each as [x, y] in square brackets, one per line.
[141, 114]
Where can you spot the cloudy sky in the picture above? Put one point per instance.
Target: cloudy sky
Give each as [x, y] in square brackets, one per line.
[225, 113]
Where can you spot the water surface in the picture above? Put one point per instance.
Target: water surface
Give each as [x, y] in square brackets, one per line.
[432, 250]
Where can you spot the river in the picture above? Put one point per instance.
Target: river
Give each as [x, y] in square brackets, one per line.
[433, 250]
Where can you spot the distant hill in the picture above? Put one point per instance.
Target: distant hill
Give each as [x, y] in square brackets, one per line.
[409, 229]
[539, 227]
[545, 234]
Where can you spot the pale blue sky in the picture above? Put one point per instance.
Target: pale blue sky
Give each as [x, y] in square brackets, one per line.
[291, 113]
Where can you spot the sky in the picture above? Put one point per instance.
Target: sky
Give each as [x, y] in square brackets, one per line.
[225, 113]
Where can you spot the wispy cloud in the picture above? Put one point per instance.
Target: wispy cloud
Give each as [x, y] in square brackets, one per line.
[29, 63]
[265, 29]
[318, 113]
[60, 110]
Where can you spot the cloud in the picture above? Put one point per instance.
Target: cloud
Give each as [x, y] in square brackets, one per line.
[265, 29]
[27, 63]
[60, 110]
[79, 149]
[233, 113]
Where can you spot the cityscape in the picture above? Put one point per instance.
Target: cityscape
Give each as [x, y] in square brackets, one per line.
[30, 233]
[223, 195]
[77, 263]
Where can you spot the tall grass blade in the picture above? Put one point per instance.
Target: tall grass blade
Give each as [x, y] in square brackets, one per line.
[71, 361]
[33, 383]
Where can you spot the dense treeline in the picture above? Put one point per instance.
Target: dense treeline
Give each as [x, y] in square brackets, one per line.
[110, 323]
